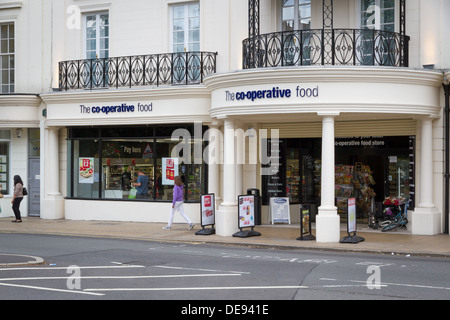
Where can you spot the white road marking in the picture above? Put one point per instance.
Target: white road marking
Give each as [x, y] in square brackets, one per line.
[49, 289]
[197, 288]
[196, 269]
[65, 268]
[124, 277]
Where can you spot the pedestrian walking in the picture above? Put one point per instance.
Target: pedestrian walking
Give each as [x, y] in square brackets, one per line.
[17, 198]
[177, 204]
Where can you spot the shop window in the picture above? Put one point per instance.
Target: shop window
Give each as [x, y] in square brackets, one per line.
[86, 169]
[121, 162]
[5, 137]
[369, 169]
[113, 164]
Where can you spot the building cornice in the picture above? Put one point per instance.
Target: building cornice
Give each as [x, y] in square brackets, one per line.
[81, 96]
[325, 74]
[28, 100]
[11, 5]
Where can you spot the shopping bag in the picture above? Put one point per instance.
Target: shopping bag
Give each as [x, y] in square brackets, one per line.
[132, 194]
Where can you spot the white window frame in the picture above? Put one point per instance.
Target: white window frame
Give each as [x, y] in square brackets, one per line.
[187, 41]
[98, 38]
[11, 71]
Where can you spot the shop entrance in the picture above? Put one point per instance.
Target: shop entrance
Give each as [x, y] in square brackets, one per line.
[369, 169]
[360, 176]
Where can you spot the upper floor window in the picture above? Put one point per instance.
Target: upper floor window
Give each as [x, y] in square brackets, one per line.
[378, 15]
[97, 35]
[295, 15]
[7, 50]
[186, 27]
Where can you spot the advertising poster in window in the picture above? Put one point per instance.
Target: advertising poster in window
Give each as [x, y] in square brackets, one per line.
[86, 175]
[169, 171]
[246, 211]
[208, 210]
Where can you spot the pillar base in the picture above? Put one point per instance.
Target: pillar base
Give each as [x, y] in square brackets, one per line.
[227, 220]
[52, 208]
[328, 225]
[425, 221]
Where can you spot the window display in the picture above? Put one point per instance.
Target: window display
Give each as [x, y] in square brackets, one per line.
[105, 166]
[368, 169]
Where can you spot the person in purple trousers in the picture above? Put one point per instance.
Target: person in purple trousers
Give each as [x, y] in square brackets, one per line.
[177, 204]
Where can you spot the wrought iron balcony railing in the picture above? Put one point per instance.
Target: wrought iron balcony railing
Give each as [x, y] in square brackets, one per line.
[185, 68]
[326, 47]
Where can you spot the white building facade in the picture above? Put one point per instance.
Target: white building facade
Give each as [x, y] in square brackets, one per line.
[348, 97]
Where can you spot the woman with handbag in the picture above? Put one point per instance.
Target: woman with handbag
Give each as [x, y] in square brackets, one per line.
[17, 199]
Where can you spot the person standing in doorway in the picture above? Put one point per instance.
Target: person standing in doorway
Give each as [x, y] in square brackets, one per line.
[177, 204]
[17, 198]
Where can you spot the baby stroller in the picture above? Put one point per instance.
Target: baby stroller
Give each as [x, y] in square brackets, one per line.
[379, 213]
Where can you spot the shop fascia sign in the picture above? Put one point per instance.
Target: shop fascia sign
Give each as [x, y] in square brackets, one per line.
[123, 108]
[276, 92]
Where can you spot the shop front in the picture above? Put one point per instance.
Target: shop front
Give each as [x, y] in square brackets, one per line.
[116, 153]
[364, 133]
[369, 169]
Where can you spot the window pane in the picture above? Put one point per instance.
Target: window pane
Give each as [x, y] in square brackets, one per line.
[288, 13]
[4, 45]
[194, 36]
[5, 62]
[194, 10]
[178, 12]
[163, 150]
[194, 23]
[11, 31]
[91, 22]
[91, 33]
[86, 169]
[122, 161]
[4, 32]
[178, 37]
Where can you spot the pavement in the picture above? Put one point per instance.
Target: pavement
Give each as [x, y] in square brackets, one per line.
[272, 237]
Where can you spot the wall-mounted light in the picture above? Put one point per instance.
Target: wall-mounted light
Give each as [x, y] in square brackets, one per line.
[428, 66]
[19, 133]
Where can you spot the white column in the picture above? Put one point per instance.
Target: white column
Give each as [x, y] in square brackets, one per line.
[240, 158]
[52, 206]
[214, 160]
[426, 219]
[227, 215]
[53, 162]
[328, 222]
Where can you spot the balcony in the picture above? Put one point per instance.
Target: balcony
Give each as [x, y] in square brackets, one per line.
[320, 47]
[186, 68]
